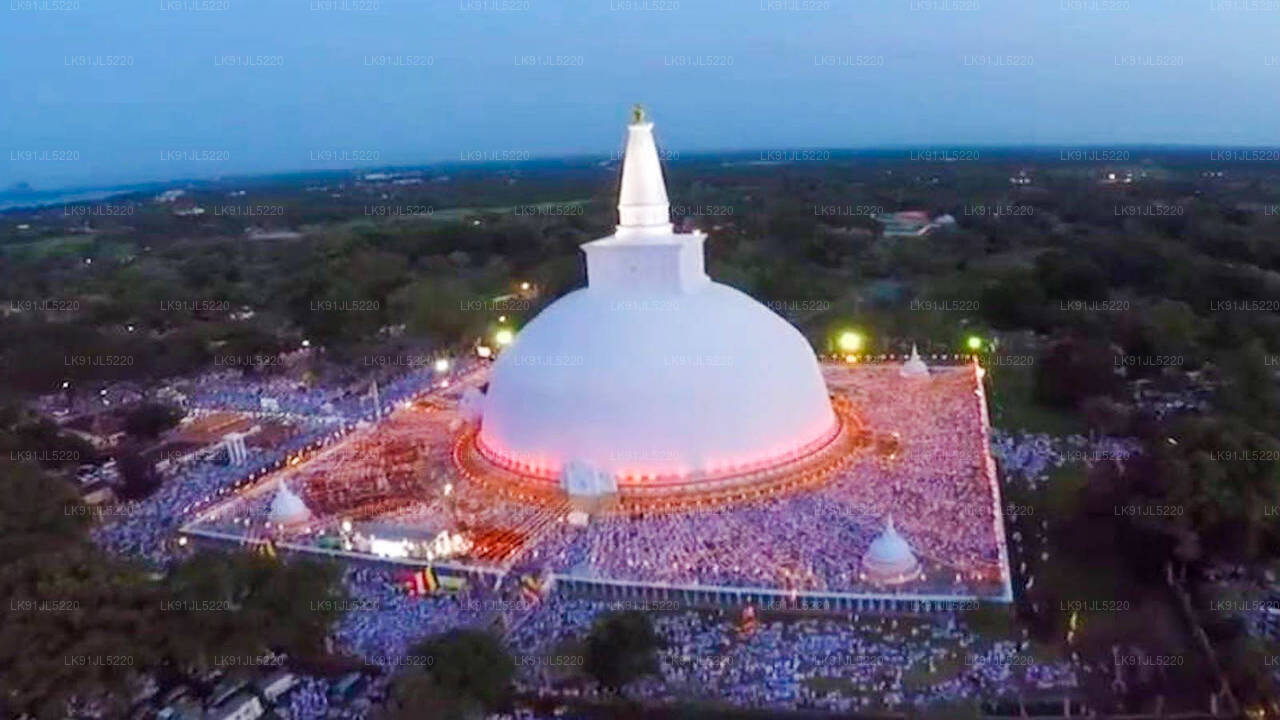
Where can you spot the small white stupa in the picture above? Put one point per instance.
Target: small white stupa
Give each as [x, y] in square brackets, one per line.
[914, 366]
[287, 507]
[889, 560]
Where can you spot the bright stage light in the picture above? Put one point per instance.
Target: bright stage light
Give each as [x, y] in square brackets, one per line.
[484, 351]
[850, 341]
[524, 286]
[504, 336]
[442, 365]
[388, 548]
[975, 342]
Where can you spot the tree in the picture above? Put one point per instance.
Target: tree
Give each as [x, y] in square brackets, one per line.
[247, 604]
[620, 648]
[458, 675]
[1104, 415]
[38, 513]
[149, 419]
[23, 432]
[1013, 301]
[1074, 368]
[138, 475]
[77, 624]
[85, 626]
[80, 626]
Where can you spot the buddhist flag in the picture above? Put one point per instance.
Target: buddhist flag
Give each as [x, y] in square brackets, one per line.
[530, 588]
[747, 622]
[425, 582]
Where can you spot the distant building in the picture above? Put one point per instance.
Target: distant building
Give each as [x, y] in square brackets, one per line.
[254, 232]
[98, 492]
[184, 709]
[1022, 178]
[276, 684]
[912, 223]
[242, 706]
[103, 430]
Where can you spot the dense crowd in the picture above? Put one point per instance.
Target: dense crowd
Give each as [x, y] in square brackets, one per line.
[934, 482]
[845, 663]
[233, 390]
[146, 528]
[386, 620]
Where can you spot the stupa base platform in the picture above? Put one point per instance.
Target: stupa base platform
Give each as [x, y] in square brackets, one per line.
[640, 495]
[916, 451]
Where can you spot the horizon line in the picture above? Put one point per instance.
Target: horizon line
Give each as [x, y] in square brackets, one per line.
[134, 185]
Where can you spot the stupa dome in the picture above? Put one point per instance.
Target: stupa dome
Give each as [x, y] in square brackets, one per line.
[653, 370]
[889, 560]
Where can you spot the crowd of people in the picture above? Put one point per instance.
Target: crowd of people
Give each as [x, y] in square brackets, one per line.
[285, 393]
[1031, 457]
[933, 479]
[309, 700]
[386, 619]
[146, 528]
[835, 663]
[933, 482]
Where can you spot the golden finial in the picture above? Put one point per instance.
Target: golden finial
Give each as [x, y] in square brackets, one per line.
[637, 114]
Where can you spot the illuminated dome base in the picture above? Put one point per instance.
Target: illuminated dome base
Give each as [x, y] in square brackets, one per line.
[669, 493]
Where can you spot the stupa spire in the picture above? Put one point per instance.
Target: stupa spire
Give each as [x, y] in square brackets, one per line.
[642, 201]
[914, 366]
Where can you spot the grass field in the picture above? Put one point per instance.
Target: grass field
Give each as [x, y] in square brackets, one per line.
[1011, 396]
[45, 248]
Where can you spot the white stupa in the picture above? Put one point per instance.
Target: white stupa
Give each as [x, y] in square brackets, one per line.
[287, 507]
[889, 560]
[653, 370]
[914, 366]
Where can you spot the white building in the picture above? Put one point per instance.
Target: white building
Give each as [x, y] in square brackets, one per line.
[653, 370]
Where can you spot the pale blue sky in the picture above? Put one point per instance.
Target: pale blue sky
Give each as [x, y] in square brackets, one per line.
[717, 75]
